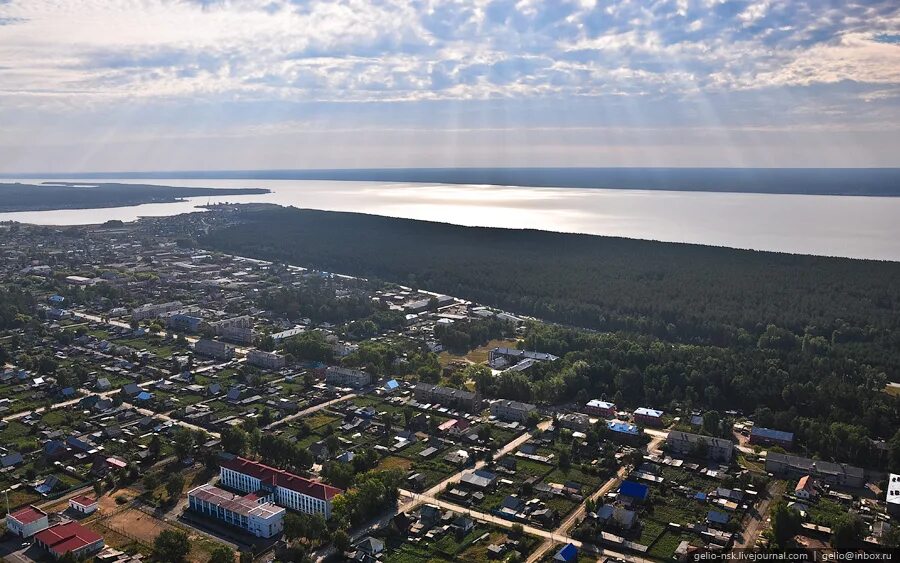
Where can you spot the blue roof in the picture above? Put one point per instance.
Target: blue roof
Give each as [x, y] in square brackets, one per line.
[144, 396]
[622, 427]
[700, 496]
[568, 553]
[391, 384]
[771, 434]
[634, 490]
[717, 517]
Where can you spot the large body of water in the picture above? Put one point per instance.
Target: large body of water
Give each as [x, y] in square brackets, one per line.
[849, 226]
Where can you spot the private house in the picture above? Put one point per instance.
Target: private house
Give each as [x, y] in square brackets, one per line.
[262, 519]
[631, 492]
[806, 488]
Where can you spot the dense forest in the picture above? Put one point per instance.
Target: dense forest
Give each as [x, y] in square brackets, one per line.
[804, 342]
[28, 197]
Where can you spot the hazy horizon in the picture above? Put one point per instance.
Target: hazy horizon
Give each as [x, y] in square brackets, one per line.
[276, 84]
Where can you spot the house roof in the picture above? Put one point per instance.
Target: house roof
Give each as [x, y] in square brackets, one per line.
[717, 517]
[84, 500]
[70, 536]
[771, 434]
[568, 552]
[634, 490]
[278, 477]
[644, 411]
[28, 514]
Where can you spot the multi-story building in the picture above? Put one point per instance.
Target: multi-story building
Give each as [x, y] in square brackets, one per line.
[501, 357]
[183, 321]
[504, 409]
[26, 521]
[153, 310]
[266, 360]
[346, 377]
[278, 486]
[597, 407]
[648, 417]
[236, 329]
[214, 349]
[685, 443]
[892, 498]
[447, 396]
[260, 518]
[833, 473]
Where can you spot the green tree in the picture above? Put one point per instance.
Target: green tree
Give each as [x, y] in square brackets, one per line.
[174, 485]
[341, 541]
[171, 546]
[847, 532]
[221, 554]
[785, 525]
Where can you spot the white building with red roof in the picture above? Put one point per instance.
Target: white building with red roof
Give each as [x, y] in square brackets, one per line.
[83, 504]
[278, 486]
[260, 518]
[27, 521]
[69, 537]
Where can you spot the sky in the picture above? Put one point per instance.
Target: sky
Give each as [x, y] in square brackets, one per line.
[138, 85]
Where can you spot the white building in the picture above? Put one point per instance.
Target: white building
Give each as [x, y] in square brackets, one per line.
[278, 486]
[153, 310]
[347, 377]
[83, 504]
[267, 360]
[505, 409]
[27, 521]
[261, 518]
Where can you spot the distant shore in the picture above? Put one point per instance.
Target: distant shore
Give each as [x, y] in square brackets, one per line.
[16, 197]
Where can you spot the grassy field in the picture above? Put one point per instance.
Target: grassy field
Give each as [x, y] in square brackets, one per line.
[478, 355]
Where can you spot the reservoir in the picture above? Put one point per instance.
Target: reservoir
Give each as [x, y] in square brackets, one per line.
[848, 226]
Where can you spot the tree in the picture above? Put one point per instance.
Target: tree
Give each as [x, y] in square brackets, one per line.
[565, 459]
[171, 546]
[341, 541]
[68, 557]
[183, 443]
[847, 532]
[295, 526]
[785, 525]
[234, 440]
[174, 485]
[221, 554]
[246, 557]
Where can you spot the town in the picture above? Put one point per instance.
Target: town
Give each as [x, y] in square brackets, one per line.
[165, 402]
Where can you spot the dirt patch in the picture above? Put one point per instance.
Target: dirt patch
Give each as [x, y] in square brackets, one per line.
[394, 462]
[478, 355]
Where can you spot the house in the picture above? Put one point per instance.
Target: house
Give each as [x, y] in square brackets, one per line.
[623, 432]
[768, 437]
[26, 521]
[806, 488]
[648, 417]
[597, 407]
[258, 517]
[501, 357]
[132, 389]
[391, 386]
[463, 525]
[70, 537]
[687, 444]
[55, 450]
[622, 517]
[83, 504]
[631, 492]
[507, 410]
[479, 479]
[102, 384]
[370, 545]
[717, 519]
[567, 554]
[11, 460]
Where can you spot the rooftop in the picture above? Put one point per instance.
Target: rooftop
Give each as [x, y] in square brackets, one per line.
[279, 477]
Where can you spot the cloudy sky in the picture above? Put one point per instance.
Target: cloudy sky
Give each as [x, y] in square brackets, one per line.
[94, 85]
